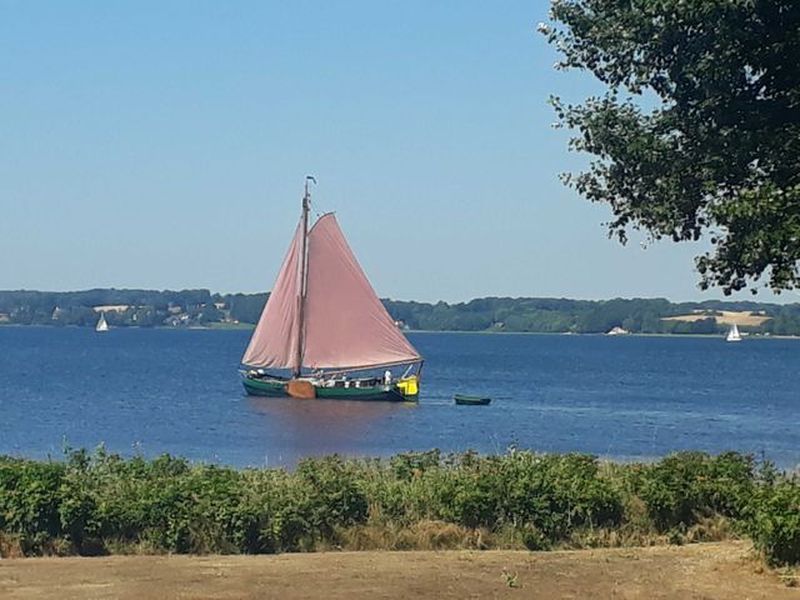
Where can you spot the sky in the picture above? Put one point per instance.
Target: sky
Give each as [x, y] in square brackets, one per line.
[164, 144]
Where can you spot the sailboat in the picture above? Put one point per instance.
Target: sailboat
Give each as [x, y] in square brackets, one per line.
[733, 334]
[101, 324]
[324, 333]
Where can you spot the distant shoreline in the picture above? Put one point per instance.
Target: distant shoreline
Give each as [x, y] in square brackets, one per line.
[250, 327]
[575, 334]
[203, 309]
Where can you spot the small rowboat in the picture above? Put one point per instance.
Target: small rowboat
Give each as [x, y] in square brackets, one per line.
[471, 400]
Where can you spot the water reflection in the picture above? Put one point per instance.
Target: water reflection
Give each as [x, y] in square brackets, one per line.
[294, 428]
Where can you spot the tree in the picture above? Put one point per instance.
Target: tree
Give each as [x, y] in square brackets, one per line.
[699, 129]
[246, 308]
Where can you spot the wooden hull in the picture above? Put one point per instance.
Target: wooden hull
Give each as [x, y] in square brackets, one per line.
[277, 389]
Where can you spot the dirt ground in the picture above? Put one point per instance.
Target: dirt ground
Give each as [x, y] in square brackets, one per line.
[706, 571]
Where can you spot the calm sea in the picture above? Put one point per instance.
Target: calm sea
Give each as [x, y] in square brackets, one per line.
[153, 391]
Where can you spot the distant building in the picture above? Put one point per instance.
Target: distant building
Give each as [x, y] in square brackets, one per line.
[177, 320]
[116, 308]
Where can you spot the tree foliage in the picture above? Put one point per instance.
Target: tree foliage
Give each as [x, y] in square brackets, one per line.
[189, 308]
[699, 129]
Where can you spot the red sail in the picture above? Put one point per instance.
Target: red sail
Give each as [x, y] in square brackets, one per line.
[274, 341]
[346, 325]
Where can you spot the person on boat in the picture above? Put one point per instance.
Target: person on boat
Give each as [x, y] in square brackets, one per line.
[387, 377]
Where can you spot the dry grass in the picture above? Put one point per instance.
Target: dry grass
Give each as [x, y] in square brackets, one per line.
[10, 546]
[743, 318]
[709, 571]
[424, 535]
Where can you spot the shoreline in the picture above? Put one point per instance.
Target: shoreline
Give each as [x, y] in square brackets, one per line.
[250, 327]
[599, 334]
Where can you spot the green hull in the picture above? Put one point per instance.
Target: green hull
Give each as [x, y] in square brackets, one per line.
[277, 389]
[263, 387]
[471, 400]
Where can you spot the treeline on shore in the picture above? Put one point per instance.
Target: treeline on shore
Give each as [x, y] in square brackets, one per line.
[100, 503]
[147, 308]
[129, 308]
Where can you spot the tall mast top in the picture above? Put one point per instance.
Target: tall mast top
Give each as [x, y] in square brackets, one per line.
[307, 195]
[303, 281]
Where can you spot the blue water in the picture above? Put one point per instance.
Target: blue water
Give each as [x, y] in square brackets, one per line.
[152, 391]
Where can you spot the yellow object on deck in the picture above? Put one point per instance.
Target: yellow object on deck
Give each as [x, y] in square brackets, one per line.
[409, 386]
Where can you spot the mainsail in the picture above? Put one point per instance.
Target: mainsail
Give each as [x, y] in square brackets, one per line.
[344, 324]
[275, 339]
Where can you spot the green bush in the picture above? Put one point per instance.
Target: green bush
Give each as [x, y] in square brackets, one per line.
[29, 501]
[336, 497]
[775, 522]
[102, 503]
[550, 494]
[683, 487]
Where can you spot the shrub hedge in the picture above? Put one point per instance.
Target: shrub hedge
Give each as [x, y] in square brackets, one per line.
[97, 503]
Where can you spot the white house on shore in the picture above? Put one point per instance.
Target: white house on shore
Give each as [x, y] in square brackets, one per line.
[617, 331]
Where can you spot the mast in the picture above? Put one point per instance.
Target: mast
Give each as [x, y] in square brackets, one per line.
[303, 281]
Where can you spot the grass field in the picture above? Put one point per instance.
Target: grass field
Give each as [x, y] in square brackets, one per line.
[725, 317]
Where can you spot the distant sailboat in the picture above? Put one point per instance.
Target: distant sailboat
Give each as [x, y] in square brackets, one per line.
[324, 333]
[101, 324]
[733, 334]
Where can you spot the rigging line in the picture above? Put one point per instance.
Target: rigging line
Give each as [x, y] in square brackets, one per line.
[319, 211]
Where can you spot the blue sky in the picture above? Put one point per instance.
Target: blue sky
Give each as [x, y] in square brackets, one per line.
[164, 145]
